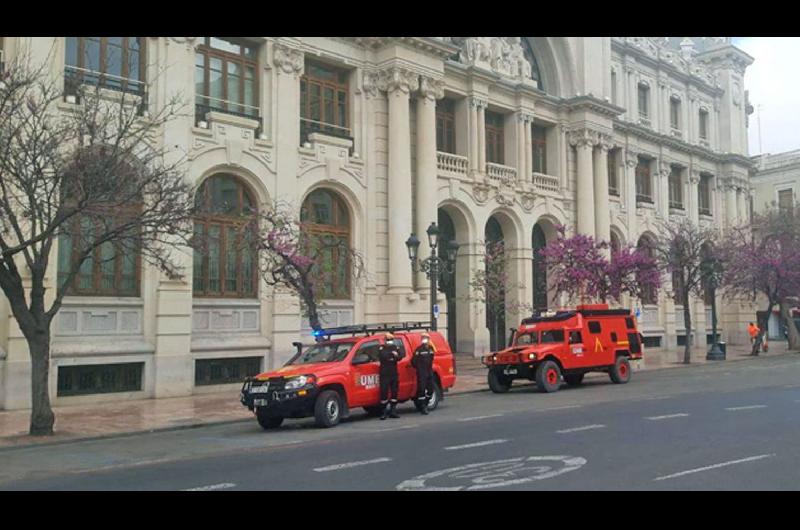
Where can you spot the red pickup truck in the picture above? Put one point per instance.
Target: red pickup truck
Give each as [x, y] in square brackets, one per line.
[328, 379]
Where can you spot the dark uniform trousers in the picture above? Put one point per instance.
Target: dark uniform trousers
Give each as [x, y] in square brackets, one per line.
[388, 373]
[423, 362]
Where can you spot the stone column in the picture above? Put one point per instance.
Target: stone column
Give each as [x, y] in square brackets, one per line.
[522, 146]
[473, 135]
[481, 136]
[662, 184]
[528, 148]
[399, 83]
[693, 202]
[602, 214]
[426, 197]
[741, 195]
[631, 159]
[584, 141]
[730, 203]
[631, 92]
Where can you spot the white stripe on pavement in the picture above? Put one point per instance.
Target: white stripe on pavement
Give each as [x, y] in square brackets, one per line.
[560, 408]
[476, 444]
[212, 487]
[584, 428]
[715, 466]
[480, 417]
[667, 416]
[346, 465]
[748, 407]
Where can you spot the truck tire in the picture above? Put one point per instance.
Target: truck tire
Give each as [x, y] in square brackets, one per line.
[548, 377]
[499, 383]
[328, 409]
[436, 398]
[620, 373]
[574, 379]
[268, 422]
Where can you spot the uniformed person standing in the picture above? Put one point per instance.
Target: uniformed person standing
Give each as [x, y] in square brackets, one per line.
[423, 362]
[389, 355]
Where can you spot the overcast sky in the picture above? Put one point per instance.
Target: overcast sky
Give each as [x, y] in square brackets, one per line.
[773, 81]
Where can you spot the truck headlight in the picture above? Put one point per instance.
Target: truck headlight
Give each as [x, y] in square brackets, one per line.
[531, 356]
[299, 382]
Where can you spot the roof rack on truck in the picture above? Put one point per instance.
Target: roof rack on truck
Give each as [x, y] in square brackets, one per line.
[369, 329]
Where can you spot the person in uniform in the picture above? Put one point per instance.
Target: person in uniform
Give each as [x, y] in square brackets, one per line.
[389, 355]
[422, 361]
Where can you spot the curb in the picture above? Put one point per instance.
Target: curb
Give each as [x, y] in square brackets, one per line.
[243, 420]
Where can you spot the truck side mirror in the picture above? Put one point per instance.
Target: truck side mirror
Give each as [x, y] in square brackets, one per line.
[512, 336]
[299, 346]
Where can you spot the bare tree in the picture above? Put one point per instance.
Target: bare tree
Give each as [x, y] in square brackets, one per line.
[90, 175]
[294, 257]
[682, 251]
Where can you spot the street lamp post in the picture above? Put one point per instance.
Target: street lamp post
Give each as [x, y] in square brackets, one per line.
[713, 274]
[433, 264]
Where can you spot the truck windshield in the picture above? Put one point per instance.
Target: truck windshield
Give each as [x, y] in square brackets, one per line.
[553, 335]
[326, 352]
[527, 338]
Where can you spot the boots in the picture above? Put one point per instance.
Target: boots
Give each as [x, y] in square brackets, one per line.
[385, 413]
[392, 413]
[424, 410]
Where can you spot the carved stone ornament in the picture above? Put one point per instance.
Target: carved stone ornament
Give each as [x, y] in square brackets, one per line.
[371, 84]
[526, 200]
[397, 79]
[478, 103]
[502, 55]
[480, 193]
[288, 60]
[431, 88]
[605, 142]
[504, 200]
[582, 138]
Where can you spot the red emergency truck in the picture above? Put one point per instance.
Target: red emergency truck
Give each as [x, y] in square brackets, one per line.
[328, 379]
[568, 344]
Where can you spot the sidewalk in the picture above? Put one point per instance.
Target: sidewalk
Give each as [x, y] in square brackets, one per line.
[115, 419]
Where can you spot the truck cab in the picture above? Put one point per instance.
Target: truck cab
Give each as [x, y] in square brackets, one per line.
[331, 377]
[568, 344]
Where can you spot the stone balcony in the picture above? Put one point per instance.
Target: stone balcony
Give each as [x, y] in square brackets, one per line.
[546, 183]
[500, 174]
[452, 165]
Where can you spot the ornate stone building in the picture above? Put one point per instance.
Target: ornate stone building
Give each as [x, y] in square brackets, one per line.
[495, 138]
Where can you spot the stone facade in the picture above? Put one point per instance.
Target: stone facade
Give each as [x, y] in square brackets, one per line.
[580, 93]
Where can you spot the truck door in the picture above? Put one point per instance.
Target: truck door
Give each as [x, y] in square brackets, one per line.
[599, 351]
[365, 374]
[577, 349]
[407, 386]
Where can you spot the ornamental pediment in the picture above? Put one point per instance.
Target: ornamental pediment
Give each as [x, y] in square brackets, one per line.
[504, 56]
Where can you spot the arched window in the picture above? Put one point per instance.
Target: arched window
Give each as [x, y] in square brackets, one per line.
[539, 269]
[616, 246]
[225, 264]
[112, 268]
[495, 291]
[649, 295]
[326, 223]
[527, 50]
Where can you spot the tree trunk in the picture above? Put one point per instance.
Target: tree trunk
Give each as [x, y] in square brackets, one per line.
[42, 417]
[794, 335]
[687, 322]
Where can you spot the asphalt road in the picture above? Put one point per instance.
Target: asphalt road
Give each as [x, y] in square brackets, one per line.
[729, 426]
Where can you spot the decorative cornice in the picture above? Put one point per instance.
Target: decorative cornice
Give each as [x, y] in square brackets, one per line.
[430, 88]
[582, 137]
[478, 102]
[288, 60]
[592, 103]
[396, 79]
[441, 47]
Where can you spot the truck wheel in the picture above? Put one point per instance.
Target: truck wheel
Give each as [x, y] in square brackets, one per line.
[498, 383]
[435, 399]
[268, 422]
[374, 410]
[621, 371]
[328, 409]
[548, 377]
[574, 379]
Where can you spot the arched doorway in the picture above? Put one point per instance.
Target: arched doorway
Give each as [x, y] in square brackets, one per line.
[539, 270]
[447, 283]
[647, 244]
[495, 291]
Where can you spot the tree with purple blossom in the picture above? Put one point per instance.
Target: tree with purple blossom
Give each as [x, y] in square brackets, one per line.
[767, 258]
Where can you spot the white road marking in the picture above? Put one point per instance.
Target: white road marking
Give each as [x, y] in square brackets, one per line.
[715, 466]
[473, 418]
[399, 428]
[667, 416]
[496, 474]
[476, 444]
[347, 465]
[224, 485]
[748, 407]
[560, 408]
[584, 428]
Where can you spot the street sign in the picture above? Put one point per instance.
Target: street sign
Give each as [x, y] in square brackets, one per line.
[638, 312]
[436, 311]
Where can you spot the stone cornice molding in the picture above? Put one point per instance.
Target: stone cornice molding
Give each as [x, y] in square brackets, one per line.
[431, 88]
[441, 47]
[594, 104]
[288, 60]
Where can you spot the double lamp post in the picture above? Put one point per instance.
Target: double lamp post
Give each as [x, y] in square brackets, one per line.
[432, 265]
